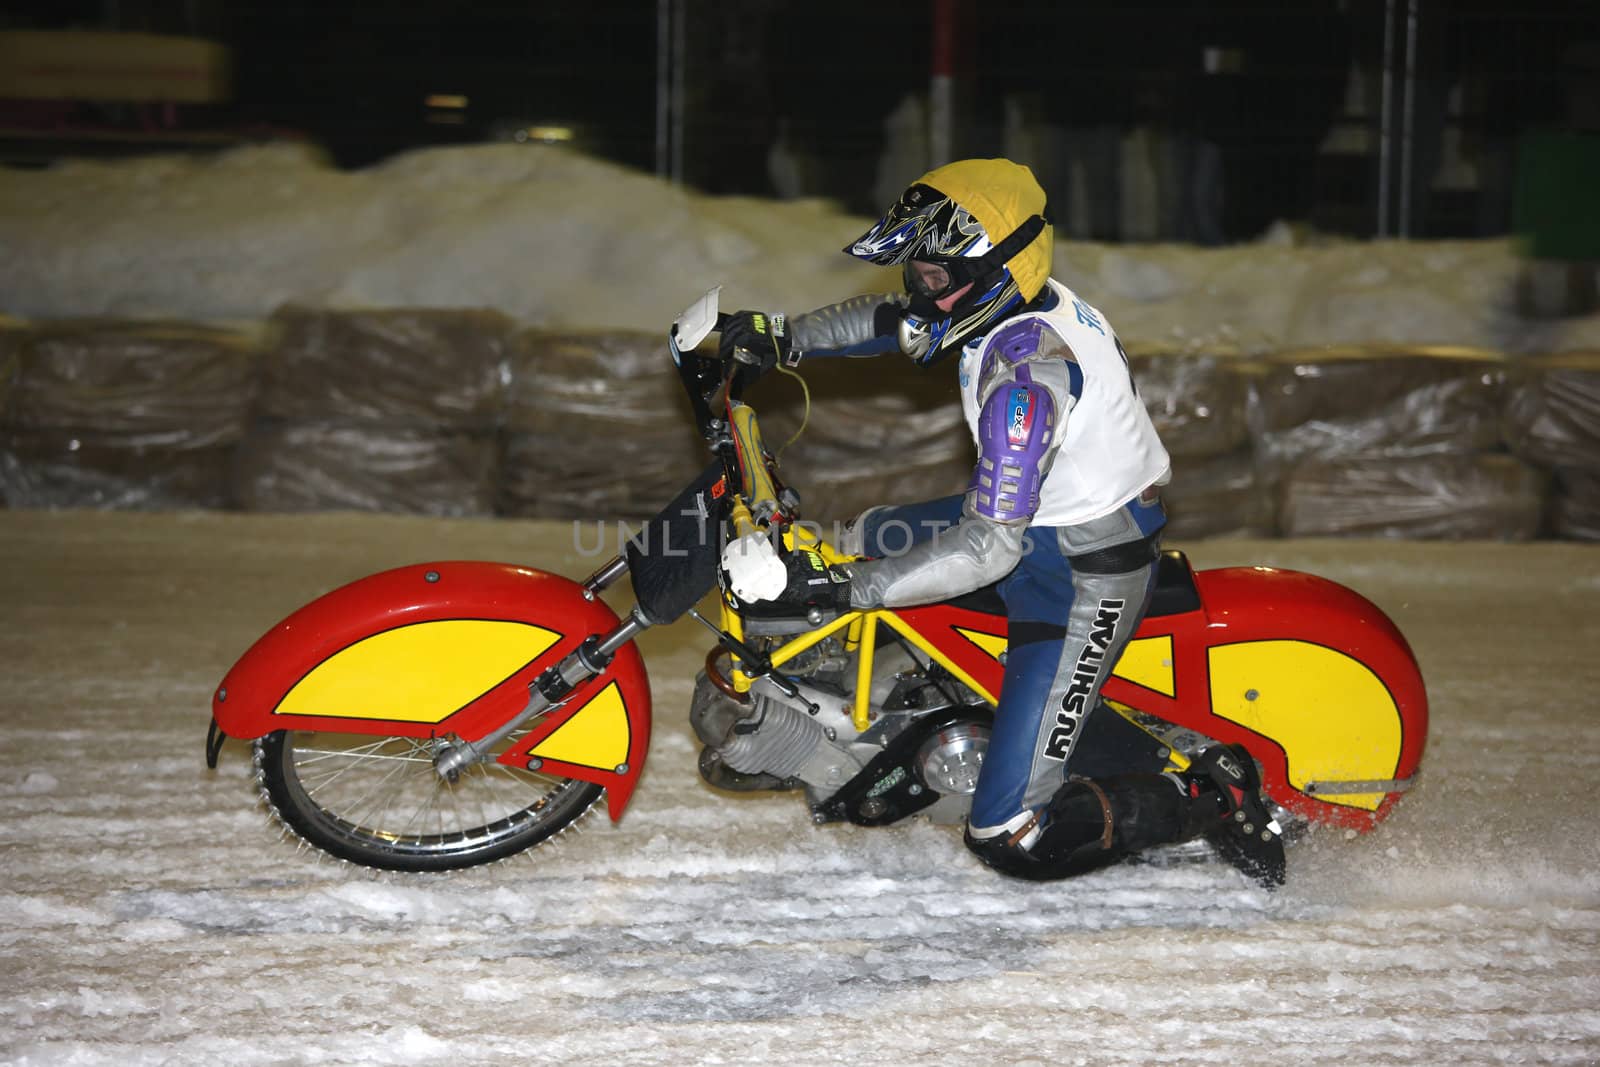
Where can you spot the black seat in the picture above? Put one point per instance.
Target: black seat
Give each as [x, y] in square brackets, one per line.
[1175, 592]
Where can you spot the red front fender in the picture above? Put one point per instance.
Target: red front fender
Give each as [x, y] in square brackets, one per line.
[448, 648]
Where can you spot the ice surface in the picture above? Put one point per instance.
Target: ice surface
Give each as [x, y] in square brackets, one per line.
[151, 914]
[555, 238]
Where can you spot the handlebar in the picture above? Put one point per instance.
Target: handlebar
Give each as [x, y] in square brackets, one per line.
[730, 428]
[705, 376]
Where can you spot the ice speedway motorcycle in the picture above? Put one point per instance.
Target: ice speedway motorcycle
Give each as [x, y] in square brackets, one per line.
[447, 714]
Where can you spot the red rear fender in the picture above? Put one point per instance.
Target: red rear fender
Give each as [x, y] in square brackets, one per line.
[1312, 677]
[447, 648]
[1320, 675]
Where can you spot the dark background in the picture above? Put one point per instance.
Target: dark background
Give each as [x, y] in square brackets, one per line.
[1243, 139]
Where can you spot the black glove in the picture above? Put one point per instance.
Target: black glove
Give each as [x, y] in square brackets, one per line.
[757, 338]
[812, 585]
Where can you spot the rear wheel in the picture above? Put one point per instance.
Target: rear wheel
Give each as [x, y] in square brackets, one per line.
[377, 801]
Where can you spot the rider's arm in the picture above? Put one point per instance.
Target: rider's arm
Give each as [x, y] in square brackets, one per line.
[969, 555]
[860, 326]
[1022, 421]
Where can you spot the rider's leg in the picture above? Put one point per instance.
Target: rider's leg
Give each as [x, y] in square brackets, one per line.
[890, 530]
[1037, 812]
[1026, 818]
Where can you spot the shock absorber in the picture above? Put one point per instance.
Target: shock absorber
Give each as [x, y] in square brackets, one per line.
[590, 658]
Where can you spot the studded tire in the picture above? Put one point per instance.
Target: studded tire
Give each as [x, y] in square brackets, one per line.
[378, 802]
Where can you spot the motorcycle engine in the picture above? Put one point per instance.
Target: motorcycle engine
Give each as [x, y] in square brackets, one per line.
[772, 742]
[921, 754]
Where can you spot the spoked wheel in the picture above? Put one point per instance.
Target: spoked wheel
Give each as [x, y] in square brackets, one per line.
[378, 801]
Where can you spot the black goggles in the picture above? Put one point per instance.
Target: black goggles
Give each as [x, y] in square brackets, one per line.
[933, 279]
[938, 278]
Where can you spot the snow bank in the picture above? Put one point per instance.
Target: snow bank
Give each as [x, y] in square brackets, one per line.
[554, 238]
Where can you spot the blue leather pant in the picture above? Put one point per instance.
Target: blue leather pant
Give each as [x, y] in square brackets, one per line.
[1067, 626]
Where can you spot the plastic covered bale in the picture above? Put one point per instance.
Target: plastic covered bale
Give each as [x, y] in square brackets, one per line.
[549, 476]
[1484, 497]
[596, 426]
[125, 415]
[878, 431]
[444, 368]
[10, 341]
[12, 333]
[1368, 402]
[141, 384]
[1197, 402]
[834, 490]
[1575, 505]
[571, 380]
[55, 469]
[1222, 496]
[298, 467]
[1553, 415]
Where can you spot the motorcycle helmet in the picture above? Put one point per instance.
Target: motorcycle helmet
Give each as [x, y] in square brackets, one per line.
[943, 231]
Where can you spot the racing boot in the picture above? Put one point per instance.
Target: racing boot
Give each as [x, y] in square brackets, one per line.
[1090, 823]
[1224, 788]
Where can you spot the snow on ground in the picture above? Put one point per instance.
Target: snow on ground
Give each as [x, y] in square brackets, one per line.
[555, 238]
[151, 915]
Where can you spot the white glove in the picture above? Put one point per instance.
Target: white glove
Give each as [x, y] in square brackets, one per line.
[754, 570]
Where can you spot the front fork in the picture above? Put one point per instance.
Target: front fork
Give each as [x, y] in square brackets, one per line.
[589, 659]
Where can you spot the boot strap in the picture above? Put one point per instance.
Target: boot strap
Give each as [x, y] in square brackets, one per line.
[1015, 839]
[1105, 806]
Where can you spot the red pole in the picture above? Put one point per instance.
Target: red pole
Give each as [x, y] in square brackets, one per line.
[944, 38]
[951, 61]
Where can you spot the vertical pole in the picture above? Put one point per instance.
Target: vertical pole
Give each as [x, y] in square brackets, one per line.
[1385, 110]
[663, 87]
[671, 75]
[680, 79]
[1408, 133]
[942, 84]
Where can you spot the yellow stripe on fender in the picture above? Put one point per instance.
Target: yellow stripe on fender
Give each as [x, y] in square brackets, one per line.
[597, 735]
[424, 672]
[1335, 720]
[992, 644]
[1148, 662]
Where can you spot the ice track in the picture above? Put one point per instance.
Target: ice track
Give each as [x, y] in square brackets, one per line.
[152, 914]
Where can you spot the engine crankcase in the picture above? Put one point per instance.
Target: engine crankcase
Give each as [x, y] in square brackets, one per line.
[939, 751]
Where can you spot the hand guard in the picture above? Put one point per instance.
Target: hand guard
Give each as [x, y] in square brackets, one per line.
[812, 585]
[755, 570]
[756, 338]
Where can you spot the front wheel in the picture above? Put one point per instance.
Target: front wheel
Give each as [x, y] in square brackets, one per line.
[378, 801]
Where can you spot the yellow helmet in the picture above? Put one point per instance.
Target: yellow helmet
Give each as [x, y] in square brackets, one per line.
[949, 218]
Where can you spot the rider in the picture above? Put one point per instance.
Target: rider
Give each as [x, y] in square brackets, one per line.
[1063, 511]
